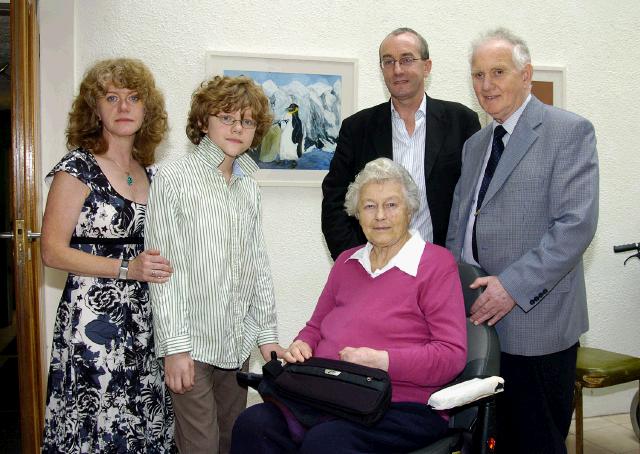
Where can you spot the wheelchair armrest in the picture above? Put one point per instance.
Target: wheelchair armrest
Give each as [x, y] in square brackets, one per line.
[248, 379]
[466, 392]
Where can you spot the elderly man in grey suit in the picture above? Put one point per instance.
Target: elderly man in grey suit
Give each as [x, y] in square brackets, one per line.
[525, 209]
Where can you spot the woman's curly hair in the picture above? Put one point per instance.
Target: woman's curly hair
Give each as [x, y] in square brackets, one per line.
[228, 94]
[85, 128]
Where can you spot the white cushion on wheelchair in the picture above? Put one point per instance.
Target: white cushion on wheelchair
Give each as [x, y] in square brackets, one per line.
[465, 392]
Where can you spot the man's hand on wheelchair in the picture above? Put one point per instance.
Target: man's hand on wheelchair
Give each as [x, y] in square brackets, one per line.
[494, 303]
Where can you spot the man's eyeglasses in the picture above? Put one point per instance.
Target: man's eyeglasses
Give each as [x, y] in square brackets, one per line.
[246, 123]
[405, 62]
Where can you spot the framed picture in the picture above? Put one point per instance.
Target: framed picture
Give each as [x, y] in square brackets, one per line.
[309, 97]
[548, 85]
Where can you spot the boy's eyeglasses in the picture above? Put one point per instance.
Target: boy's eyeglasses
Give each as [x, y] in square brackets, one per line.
[246, 123]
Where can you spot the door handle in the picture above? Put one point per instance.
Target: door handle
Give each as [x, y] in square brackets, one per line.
[21, 235]
[30, 235]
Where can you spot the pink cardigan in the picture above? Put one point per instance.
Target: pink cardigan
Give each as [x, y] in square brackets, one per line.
[419, 320]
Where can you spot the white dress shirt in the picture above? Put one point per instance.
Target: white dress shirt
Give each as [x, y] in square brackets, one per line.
[407, 259]
[509, 125]
[408, 151]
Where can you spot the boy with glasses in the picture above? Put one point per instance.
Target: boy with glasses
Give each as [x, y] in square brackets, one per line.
[205, 212]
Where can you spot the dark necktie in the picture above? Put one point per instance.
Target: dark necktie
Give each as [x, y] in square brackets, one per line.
[497, 147]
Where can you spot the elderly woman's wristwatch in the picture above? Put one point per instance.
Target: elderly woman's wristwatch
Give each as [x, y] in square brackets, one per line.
[124, 269]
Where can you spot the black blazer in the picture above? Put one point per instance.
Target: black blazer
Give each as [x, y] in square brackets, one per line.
[365, 136]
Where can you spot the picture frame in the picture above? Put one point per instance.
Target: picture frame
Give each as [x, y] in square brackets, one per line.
[548, 85]
[309, 96]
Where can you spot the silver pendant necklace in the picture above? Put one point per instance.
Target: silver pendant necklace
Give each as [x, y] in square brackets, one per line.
[130, 180]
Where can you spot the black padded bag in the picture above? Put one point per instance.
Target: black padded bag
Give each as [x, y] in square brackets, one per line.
[338, 388]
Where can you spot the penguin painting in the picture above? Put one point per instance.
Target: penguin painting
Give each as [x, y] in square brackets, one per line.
[292, 136]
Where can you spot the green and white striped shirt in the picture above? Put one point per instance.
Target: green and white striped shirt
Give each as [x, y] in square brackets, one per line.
[219, 302]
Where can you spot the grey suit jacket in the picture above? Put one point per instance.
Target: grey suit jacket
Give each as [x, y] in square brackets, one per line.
[539, 215]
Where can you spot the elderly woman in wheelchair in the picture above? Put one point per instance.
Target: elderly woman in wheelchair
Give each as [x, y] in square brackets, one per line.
[394, 304]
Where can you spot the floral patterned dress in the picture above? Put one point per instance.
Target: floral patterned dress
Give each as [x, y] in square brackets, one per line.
[106, 392]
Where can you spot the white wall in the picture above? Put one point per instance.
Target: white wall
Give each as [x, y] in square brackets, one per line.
[596, 41]
[57, 88]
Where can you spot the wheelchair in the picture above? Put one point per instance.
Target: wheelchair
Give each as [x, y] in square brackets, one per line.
[634, 410]
[472, 427]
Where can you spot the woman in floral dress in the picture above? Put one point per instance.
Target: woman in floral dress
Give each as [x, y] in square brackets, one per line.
[106, 392]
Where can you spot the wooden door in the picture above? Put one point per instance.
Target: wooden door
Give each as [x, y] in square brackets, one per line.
[25, 215]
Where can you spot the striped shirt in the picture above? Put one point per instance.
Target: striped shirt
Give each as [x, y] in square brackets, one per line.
[409, 152]
[219, 302]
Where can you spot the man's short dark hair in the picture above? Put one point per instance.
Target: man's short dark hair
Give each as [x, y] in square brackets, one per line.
[424, 47]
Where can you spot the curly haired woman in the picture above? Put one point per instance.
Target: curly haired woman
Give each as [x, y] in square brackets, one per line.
[106, 390]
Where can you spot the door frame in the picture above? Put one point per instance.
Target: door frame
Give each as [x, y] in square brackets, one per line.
[26, 215]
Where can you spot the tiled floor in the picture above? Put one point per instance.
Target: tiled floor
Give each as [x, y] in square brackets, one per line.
[606, 435]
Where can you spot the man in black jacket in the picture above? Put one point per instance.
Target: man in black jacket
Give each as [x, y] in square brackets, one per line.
[423, 134]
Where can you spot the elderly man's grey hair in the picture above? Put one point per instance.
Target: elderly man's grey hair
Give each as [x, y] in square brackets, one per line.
[378, 171]
[424, 47]
[520, 53]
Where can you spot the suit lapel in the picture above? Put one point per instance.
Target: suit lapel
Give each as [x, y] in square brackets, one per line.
[435, 124]
[381, 137]
[474, 162]
[523, 137]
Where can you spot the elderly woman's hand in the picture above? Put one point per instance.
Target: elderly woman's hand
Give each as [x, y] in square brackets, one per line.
[366, 357]
[298, 351]
[150, 266]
